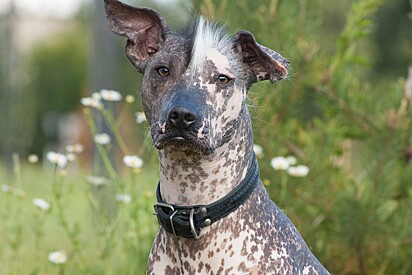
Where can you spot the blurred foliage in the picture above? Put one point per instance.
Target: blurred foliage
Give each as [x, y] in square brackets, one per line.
[58, 77]
[350, 125]
[393, 37]
[59, 70]
[342, 112]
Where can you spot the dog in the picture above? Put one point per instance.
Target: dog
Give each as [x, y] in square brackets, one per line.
[214, 213]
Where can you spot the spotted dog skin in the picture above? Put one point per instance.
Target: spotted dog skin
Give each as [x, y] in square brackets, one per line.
[194, 91]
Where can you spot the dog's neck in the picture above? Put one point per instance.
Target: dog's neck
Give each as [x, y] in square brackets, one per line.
[192, 178]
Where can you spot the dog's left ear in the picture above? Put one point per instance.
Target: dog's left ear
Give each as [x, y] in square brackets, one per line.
[263, 62]
[144, 28]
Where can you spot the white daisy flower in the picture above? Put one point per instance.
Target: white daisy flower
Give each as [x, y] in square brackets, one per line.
[102, 139]
[75, 148]
[13, 191]
[291, 159]
[33, 158]
[57, 257]
[258, 150]
[129, 99]
[57, 158]
[140, 117]
[91, 102]
[125, 198]
[110, 95]
[96, 96]
[298, 171]
[86, 101]
[133, 161]
[96, 180]
[279, 163]
[71, 157]
[6, 188]
[42, 204]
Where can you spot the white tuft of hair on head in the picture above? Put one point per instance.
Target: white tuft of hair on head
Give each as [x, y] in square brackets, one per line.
[208, 36]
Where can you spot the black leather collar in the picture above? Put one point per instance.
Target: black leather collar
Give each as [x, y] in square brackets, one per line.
[187, 221]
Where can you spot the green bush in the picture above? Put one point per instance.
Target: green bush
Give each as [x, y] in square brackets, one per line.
[348, 124]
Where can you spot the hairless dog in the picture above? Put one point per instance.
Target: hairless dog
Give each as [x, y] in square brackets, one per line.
[214, 213]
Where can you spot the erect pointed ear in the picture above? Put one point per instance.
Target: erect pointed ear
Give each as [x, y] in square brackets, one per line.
[263, 62]
[144, 28]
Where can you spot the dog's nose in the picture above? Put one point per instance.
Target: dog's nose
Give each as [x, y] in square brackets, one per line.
[181, 117]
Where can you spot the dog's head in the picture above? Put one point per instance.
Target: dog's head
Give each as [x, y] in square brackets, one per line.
[195, 81]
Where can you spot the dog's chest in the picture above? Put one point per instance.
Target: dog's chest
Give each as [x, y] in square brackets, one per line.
[252, 240]
[225, 250]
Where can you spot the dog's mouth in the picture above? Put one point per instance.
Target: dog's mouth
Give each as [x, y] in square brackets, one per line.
[182, 141]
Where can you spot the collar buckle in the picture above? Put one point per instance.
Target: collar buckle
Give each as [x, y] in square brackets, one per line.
[161, 204]
[192, 224]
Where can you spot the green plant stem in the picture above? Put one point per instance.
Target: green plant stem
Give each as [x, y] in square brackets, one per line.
[105, 157]
[109, 167]
[114, 127]
[283, 187]
[17, 169]
[38, 231]
[95, 206]
[63, 219]
[107, 236]
[124, 112]
[133, 176]
[61, 269]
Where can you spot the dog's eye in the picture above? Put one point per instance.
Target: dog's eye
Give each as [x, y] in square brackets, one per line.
[223, 79]
[163, 71]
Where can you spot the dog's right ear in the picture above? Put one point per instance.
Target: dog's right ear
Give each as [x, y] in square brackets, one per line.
[263, 62]
[145, 29]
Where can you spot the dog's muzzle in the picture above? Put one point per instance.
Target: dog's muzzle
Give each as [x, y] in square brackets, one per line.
[181, 117]
[181, 124]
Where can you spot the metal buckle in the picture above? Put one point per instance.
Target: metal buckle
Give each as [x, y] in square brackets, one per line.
[171, 223]
[161, 204]
[156, 206]
[192, 224]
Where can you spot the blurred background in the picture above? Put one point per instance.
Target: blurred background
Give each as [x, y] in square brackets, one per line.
[344, 111]
[52, 54]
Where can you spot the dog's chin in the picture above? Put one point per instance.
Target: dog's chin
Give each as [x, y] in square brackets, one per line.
[180, 143]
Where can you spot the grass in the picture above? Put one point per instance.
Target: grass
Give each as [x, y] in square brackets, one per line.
[99, 228]
[99, 234]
